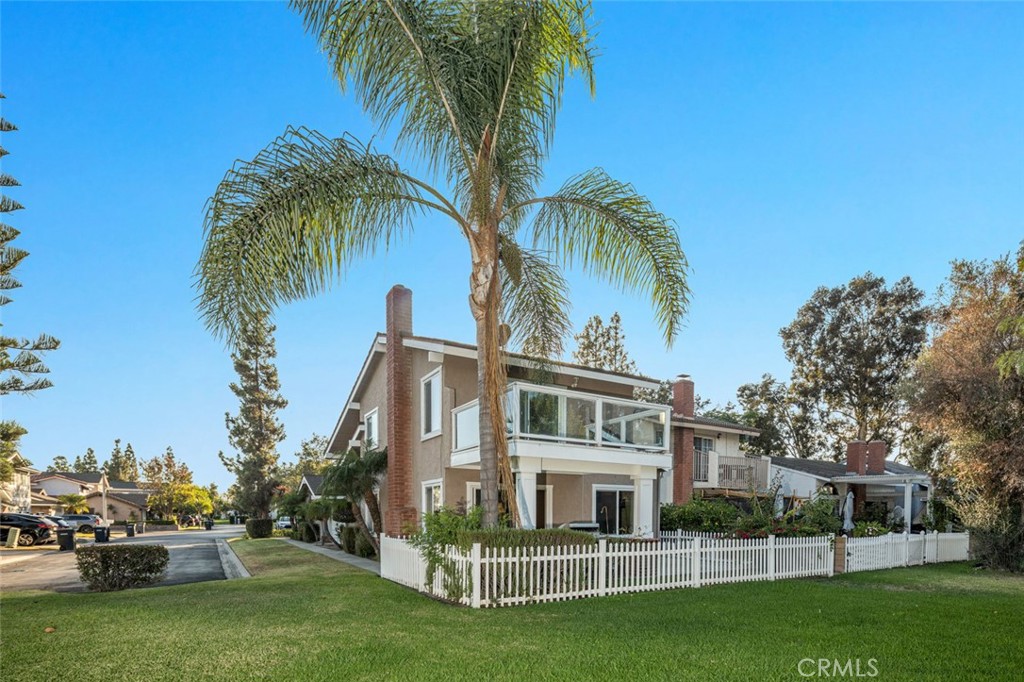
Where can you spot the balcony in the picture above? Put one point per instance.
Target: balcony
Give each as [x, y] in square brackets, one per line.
[712, 470]
[570, 424]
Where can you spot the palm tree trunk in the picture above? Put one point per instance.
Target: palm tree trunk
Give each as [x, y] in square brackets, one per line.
[374, 507]
[361, 522]
[485, 304]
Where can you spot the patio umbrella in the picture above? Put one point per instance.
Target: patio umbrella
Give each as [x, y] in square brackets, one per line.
[848, 512]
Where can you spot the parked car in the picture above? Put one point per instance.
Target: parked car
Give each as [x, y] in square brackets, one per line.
[58, 521]
[84, 523]
[284, 522]
[34, 530]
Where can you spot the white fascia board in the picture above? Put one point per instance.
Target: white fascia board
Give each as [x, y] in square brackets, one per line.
[583, 373]
[379, 346]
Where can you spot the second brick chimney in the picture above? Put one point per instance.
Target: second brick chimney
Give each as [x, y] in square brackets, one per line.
[682, 442]
[400, 510]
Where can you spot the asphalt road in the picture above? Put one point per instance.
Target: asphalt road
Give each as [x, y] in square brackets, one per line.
[193, 558]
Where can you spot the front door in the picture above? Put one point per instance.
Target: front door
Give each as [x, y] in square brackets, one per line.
[542, 508]
[613, 511]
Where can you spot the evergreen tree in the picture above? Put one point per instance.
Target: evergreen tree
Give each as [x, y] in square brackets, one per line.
[310, 459]
[60, 463]
[122, 465]
[85, 463]
[170, 480]
[131, 464]
[10, 438]
[21, 367]
[604, 347]
[255, 431]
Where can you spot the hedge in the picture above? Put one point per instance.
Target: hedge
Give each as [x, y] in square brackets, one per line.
[308, 534]
[522, 537]
[259, 528]
[117, 567]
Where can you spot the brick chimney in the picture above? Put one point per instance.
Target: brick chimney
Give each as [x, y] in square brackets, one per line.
[399, 510]
[682, 441]
[856, 457]
[876, 457]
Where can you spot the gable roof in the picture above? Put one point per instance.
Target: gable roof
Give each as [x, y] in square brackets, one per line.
[140, 500]
[123, 485]
[314, 482]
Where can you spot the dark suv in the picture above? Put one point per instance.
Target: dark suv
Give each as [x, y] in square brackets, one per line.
[34, 530]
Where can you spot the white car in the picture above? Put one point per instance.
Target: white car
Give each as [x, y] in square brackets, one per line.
[284, 522]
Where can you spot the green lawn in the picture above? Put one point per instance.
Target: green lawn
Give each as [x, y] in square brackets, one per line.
[305, 617]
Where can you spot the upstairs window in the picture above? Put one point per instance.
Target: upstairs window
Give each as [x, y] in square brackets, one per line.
[430, 404]
[370, 436]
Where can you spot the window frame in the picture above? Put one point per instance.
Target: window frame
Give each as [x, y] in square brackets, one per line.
[426, 503]
[436, 428]
[373, 416]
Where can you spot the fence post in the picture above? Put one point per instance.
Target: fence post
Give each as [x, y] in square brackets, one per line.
[771, 557]
[602, 567]
[906, 554]
[696, 563]
[474, 566]
[833, 546]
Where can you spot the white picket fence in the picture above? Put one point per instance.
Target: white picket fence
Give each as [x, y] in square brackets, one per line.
[484, 576]
[893, 550]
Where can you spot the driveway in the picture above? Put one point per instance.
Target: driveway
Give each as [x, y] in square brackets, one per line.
[193, 558]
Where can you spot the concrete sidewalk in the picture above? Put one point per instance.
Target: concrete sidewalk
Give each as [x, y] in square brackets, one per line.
[337, 555]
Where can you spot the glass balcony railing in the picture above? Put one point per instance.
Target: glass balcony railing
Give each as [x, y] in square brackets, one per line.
[548, 413]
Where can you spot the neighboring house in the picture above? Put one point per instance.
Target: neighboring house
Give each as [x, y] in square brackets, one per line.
[311, 485]
[43, 503]
[874, 480]
[112, 500]
[580, 447]
[16, 494]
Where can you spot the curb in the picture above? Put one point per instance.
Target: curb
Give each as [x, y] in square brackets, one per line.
[229, 561]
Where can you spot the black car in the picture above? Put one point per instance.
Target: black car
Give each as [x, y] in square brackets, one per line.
[34, 530]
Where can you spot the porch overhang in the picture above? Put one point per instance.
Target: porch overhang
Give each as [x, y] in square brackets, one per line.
[883, 479]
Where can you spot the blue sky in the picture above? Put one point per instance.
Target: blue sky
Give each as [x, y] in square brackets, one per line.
[796, 145]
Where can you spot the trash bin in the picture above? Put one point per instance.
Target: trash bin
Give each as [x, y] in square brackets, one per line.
[102, 534]
[66, 539]
[129, 529]
[209, 524]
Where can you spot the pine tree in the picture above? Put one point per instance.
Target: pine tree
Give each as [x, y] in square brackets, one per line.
[86, 463]
[603, 347]
[60, 463]
[255, 431]
[122, 465]
[131, 464]
[170, 480]
[21, 366]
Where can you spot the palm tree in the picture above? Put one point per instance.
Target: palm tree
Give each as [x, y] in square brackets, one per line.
[474, 89]
[353, 479]
[73, 503]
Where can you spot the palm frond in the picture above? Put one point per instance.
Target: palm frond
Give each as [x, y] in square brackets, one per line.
[460, 76]
[609, 230]
[536, 300]
[287, 224]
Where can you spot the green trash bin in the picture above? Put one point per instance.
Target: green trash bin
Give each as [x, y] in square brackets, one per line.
[129, 529]
[102, 534]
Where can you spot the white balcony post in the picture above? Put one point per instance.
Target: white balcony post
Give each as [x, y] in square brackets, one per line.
[526, 492]
[644, 506]
[713, 469]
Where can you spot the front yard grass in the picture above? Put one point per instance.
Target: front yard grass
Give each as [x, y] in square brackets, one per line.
[306, 617]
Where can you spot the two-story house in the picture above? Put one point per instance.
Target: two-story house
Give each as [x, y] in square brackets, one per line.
[16, 494]
[581, 448]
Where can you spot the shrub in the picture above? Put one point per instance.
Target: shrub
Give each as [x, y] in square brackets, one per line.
[519, 537]
[868, 529]
[307, 533]
[348, 539]
[707, 516]
[259, 528]
[363, 547]
[117, 567]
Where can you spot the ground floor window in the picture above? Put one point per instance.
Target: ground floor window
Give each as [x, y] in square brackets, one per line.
[432, 497]
[613, 510]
